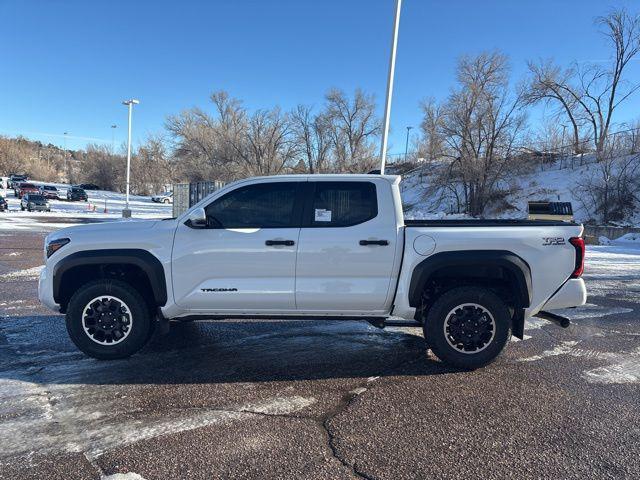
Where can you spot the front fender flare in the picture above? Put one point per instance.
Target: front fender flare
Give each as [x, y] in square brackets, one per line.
[146, 261]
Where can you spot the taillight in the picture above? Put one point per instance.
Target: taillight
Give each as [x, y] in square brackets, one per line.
[578, 244]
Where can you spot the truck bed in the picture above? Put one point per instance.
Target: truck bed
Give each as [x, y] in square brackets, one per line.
[488, 223]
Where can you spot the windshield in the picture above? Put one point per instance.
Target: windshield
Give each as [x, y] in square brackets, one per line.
[35, 198]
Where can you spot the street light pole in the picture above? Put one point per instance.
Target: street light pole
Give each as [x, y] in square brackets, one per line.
[113, 138]
[126, 213]
[406, 145]
[66, 162]
[387, 105]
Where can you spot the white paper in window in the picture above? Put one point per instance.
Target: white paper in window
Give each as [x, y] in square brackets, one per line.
[323, 215]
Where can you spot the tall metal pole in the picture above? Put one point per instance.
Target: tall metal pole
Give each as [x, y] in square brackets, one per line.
[66, 162]
[406, 145]
[387, 106]
[113, 138]
[129, 154]
[130, 103]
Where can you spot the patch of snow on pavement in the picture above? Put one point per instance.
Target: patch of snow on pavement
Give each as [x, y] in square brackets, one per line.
[281, 406]
[123, 476]
[568, 348]
[52, 418]
[591, 310]
[627, 371]
[27, 274]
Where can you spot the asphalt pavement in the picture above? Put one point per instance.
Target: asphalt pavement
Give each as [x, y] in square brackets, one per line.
[273, 399]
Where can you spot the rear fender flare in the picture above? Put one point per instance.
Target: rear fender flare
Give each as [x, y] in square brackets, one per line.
[473, 259]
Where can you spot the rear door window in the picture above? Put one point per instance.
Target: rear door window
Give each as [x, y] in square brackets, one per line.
[342, 204]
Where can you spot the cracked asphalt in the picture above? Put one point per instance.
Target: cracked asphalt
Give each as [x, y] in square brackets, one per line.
[272, 399]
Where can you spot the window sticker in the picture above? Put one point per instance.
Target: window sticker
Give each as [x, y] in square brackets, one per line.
[323, 215]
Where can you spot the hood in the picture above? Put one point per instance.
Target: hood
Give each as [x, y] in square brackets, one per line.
[104, 229]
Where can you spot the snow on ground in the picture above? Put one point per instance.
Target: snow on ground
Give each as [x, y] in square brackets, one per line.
[101, 206]
[630, 240]
[28, 274]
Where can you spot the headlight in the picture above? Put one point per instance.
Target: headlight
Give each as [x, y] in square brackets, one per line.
[55, 245]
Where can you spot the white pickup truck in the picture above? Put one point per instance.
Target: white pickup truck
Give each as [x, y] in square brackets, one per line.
[313, 246]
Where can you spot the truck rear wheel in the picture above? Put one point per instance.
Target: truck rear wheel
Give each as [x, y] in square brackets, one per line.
[468, 327]
[108, 319]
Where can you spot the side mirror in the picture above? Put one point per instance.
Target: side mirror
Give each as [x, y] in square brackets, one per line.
[197, 218]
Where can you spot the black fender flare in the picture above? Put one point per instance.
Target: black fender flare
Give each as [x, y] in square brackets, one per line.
[143, 259]
[515, 265]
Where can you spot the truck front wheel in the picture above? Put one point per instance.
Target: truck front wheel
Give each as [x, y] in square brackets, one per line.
[468, 327]
[108, 319]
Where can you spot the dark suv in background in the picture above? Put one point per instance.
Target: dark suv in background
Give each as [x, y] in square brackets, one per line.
[76, 193]
[34, 202]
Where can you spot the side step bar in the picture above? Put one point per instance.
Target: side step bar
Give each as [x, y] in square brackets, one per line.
[563, 322]
[380, 322]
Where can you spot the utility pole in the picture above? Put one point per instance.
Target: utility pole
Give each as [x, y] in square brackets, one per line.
[66, 162]
[562, 150]
[406, 145]
[387, 105]
[113, 138]
[126, 213]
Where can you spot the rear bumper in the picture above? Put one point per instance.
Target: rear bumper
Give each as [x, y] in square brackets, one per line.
[571, 294]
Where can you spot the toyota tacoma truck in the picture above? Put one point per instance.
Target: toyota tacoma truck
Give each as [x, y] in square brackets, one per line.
[318, 247]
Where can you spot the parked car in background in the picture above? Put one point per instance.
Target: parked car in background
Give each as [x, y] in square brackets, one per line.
[76, 194]
[34, 202]
[4, 206]
[26, 187]
[49, 191]
[88, 186]
[15, 180]
[166, 197]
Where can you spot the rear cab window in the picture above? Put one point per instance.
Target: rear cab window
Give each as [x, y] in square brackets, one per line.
[341, 204]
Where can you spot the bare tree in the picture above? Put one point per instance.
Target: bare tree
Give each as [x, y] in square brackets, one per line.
[432, 144]
[312, 136]
[478, 126]
[354, 129]
[548, 83]
[592, 92]
[102, 167]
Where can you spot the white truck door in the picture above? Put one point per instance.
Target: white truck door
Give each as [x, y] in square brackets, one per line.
[245, 260]
[347, 247]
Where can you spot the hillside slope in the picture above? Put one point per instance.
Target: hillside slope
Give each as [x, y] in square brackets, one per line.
[554, 184]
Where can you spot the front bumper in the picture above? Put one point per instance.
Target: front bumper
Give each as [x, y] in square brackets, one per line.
[45, 290]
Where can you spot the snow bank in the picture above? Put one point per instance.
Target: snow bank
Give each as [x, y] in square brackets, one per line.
[631, 240]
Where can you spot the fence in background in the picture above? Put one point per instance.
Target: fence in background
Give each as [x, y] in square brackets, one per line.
[186, 195]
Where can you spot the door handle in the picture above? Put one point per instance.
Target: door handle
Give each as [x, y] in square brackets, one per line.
[271, 243]
[374, 242]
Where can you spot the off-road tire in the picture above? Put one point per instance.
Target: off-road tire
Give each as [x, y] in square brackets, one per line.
[434, 327]
[141, 325]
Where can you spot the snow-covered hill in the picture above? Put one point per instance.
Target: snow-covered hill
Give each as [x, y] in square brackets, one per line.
[552, 184]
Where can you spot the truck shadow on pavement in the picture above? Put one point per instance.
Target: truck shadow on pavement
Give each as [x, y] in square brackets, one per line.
[37, 349]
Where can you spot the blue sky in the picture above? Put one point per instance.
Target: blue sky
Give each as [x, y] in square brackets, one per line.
[67, 65]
